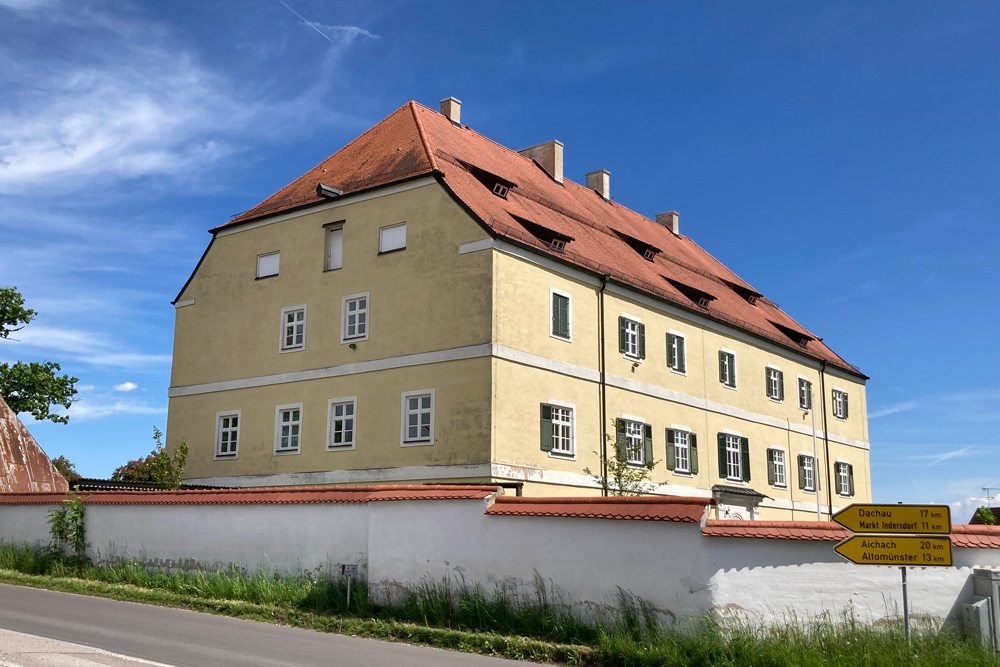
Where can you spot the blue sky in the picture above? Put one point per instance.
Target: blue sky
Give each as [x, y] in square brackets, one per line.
[843, 157]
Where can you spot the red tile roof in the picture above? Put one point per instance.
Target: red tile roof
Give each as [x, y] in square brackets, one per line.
[279, 496]
[977, 537]
[415, 140]
[641, 508]
[24, 467]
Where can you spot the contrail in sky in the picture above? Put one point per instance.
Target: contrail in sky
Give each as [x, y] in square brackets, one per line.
[307, 22]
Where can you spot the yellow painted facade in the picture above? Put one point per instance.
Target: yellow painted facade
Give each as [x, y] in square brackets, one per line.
[468, 317]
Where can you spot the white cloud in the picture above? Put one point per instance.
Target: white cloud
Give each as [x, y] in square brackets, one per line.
[85, 346]
[86, 410]
[126, 386]
[892, 409]
[24, 4]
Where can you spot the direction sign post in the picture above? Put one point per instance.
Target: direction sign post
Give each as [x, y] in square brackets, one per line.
[904, 535]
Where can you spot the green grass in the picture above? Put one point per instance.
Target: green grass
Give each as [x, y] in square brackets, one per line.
[525, 622]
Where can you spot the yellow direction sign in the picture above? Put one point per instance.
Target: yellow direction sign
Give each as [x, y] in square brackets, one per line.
[906, 551]
[924, 519]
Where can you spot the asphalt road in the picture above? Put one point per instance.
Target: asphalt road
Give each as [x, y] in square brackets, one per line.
[191, 639]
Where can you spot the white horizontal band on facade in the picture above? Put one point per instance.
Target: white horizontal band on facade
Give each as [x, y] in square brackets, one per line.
[185, 302]
[475, 246]
[366, 476]
[516, 356]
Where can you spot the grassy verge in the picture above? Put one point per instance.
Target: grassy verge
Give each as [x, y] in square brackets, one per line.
[517, 622]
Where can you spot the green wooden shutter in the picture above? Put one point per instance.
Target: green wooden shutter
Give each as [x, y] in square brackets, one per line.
[546, 428]
[693, 446]
[845, 405]
[770, 467]
[671, 355]
[781, 386]
[671, 450]
[641, 334]
[560, 315]
[767, 382]
[564, 314]
[722, 456]
[555, 315]
[722, 367]
[732, 368]
[745, 451]
[802, 471]
[620, 440]
[850, 479]
[681, 355]
[648, 444]
[622, 337]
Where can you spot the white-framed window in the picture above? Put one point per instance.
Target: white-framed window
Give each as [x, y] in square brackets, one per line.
[845, 478]
[334, 248]
[267, 264]
[807, 472]
[287, 428]
[635, 451]
[734, 458]
[341, 424]
[777, 467]
[805, 394]
[355, 317]
[775, 381]
[727, 368]
[293, 328]
[227, 434]
[839, 403]
[560, 315]
[418, 417]
[677, 352]
[558, 429]
[392, 238]
[682, 451]
[631, 337]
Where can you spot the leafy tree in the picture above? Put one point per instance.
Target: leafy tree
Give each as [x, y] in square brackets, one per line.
[66, 468]
[158, 466]
[623, 478]
[30, 387]
[986, 516]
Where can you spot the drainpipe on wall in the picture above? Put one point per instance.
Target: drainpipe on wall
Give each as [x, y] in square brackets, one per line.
[603, 386]
[826, 441]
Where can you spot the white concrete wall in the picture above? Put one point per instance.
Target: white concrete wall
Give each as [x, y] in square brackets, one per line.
[405, 543]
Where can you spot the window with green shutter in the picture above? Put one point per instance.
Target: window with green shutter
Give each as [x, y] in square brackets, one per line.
[693, 446]
[631, 338]
[807, 472]
[734, 457]
[840, 404]
[682, 451]
[676, 354]
[637, 441]
[845, 478]
[776, 474]
[546, 428]
[560, 315]
[774, 381]
[727, 368]
[647, 441]
[671, 450]
[745, 454]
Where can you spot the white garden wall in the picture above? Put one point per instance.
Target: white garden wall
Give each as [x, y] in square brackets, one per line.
[402, 542]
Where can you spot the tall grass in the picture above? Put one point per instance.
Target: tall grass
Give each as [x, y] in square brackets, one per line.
[629, 635]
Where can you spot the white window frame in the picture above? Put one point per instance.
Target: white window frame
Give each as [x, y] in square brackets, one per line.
[343, 400]
[679, 430]
[277, 428]
[330, 231]
[809, 470]
[732, 465]
[382, 250]
[631, 337]
[783, 484]
[838, 403]
[569, 314]
[798, 388]
[257, 274]
[559, 453]
[406, 395]
[282, 348]
[219, 416]
[638, 425]
[843, 481]
[678, 334]
[343, 316]
[773, 375]
[730, 370]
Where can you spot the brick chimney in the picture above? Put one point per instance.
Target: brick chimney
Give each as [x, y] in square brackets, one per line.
[600, 180]
[549, 155]
[669, 220]
[452, 109]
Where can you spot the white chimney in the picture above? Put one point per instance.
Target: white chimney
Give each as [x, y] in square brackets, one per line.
[452, 109]
[549, 155]
[669, 220]
[600, 180]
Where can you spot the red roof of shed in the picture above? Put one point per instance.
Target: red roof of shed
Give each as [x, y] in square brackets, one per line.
[641, 508]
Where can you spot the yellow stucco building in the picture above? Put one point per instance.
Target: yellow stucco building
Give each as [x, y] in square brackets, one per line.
[429, 306]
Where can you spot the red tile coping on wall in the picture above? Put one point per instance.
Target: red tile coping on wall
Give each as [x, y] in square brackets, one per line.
[974, 537]
[679, 509]
[270, 495]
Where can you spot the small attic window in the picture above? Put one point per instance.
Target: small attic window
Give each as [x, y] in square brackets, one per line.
[697, 296]
[500, 190]
[557, 245]
[553, 239]
[800, 338]
[498, 185]
[747, 294]
[648, 252]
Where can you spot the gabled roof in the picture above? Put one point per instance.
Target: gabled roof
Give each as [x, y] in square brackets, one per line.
[24, 467]
[415, 141]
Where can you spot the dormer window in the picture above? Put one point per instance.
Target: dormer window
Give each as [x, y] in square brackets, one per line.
[557, 245]
[649, 255]
[497, 184]
[702, 302]
[647, 251]
[745, 292]
[550, 237]
[500, 190]
[799, 337]
[700, 297]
